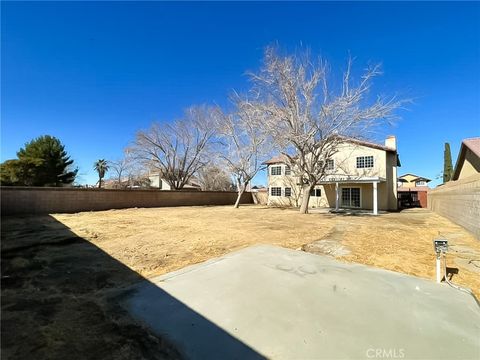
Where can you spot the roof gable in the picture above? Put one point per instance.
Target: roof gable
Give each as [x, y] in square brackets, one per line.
[472, 144]
[415, 177]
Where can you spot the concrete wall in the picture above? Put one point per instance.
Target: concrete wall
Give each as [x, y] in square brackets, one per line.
[28, 200]
[459, 201]
[260, 197]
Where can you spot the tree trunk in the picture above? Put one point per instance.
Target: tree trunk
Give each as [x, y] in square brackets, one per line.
[241, 190]
[305, 198]
[237, 203]
[99, 182]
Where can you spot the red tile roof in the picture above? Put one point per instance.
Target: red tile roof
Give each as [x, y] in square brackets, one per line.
[279, 159]
[473, 144]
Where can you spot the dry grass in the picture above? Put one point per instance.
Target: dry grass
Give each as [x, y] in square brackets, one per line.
[62, 275]
[159, 240]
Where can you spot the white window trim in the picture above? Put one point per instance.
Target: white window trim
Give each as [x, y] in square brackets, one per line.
[285, 171]
[360, 194]
[364, 161]
[275, 166]
[285, 193]
[333, 167]
[277, 187]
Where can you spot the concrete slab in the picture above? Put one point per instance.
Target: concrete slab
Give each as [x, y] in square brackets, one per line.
[266, 301]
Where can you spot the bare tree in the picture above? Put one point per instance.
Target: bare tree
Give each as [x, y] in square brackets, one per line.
[307, 119]
[121, 169]
[245, 147]
[177, 150]
[296, 191]
[214, 178]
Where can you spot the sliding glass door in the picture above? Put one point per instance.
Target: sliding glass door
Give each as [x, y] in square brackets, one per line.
[351, 197]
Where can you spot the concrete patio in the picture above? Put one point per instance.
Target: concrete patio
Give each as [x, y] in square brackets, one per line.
[266, 301]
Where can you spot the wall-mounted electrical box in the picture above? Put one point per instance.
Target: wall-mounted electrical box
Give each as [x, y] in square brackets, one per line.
[440, 245]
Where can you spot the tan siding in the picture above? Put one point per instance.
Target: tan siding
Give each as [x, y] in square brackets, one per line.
[345, 164]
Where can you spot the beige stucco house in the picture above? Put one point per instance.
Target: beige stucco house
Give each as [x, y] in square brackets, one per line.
[412, 191]
[468, 161]
[360, 175]
[412, 180]
[157, 182]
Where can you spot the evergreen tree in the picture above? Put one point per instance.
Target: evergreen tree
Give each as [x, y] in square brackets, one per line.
[43, 162]
[447, 164]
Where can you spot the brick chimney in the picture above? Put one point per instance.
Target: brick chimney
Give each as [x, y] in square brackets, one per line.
[391, 142]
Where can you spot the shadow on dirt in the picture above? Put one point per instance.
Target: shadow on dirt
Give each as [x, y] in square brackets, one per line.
[60, 300]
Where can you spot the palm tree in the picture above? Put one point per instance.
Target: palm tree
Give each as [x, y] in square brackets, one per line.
[101, 166]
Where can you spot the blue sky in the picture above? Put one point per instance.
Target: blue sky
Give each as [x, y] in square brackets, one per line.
[93, 73]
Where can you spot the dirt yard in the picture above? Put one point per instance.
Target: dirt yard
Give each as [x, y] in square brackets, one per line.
[155, 241]
[62, 274]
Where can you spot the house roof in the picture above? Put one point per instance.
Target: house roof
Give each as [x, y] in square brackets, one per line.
[472, 144]
[421, 178]
[416, 177]
[279, 159]
[282, 158]
[368, 144]
[413, 188]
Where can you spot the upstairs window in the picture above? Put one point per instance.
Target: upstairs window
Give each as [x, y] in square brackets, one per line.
[420, 183]
[276, 170]
[364, 162]
[288, 192]
[288, 171]
[276, 191]
[330, 164]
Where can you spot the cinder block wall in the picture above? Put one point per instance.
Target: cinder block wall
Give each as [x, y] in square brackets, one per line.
[459, 201]
[260, 197]
[30, 200]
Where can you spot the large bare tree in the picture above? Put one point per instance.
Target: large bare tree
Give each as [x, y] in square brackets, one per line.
[308, 118]
[214, 178]
[121, 169]
[245, 147]
[177, 150]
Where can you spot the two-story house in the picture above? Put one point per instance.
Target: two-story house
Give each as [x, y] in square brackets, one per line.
[412, 191]
[360, 175]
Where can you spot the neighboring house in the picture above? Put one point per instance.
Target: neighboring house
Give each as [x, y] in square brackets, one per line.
[158, 183]
[132, 183]
[412, 180]
[468, 161]
[360, 175]
[412, 191]
[258, 188]
[459, 199]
